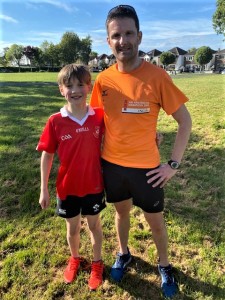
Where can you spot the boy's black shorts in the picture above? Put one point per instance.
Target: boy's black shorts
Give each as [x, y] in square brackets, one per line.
[72, 206]
[122, 183]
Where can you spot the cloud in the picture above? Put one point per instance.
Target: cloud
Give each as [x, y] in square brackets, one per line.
[177, 28]
[60, 4]
[8, 19]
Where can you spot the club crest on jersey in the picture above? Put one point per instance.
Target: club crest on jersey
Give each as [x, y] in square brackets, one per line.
[66, 137]
[96, 131]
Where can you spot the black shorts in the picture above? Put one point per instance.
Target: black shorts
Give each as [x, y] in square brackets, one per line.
[72, 206]
[122, 183]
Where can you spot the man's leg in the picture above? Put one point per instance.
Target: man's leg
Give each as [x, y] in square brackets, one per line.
[122, 223]
[122, 220]
[160, 237]
[159, 234]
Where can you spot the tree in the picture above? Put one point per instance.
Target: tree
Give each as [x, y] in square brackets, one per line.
[219, 17]
[193, 49]
[93, 55]
[33, 53]
[15, 53]
[3, 59]
[203, 55]
[69, 48]
[85, 49]
[167, 58]
[50, 54]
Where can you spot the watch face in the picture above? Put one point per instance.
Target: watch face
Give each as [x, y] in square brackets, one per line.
[174, 165]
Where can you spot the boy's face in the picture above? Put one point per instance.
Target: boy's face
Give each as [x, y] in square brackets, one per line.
[75, 92]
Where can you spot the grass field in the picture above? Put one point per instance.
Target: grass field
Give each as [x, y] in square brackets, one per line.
[34, 250]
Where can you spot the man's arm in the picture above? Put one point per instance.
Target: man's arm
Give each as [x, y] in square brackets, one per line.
[165, 172]
[46, 165]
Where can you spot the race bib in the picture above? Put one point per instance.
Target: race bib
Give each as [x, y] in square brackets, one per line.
[134, 107]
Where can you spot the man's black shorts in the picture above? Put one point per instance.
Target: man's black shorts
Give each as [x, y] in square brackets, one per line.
[122, 183]
[72, 206]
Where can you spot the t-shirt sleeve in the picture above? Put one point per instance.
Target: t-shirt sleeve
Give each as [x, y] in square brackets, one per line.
[48, 141]
[171, 96]
[96, 100]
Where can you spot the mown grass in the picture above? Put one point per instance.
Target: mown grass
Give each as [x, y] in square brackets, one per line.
[34, 250]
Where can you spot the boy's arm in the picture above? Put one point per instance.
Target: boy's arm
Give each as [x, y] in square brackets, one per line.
[45, 168]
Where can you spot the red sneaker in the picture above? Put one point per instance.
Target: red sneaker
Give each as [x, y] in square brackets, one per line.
[95, 279]
[72, 269]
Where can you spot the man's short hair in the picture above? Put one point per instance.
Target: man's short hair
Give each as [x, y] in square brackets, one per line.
[122, 11]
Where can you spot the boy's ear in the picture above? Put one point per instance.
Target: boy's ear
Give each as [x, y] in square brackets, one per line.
[61, 90]
[90, 87]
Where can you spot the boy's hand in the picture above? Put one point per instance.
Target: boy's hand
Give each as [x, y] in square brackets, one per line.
[44, 199]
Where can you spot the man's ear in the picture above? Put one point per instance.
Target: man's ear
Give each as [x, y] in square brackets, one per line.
[139, 37]
[108, 41]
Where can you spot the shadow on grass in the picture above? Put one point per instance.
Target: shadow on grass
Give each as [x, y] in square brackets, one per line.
[25, 108]
[195, 195]
[143, 289]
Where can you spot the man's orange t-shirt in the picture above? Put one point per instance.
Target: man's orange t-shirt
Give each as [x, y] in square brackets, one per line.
[131, 103]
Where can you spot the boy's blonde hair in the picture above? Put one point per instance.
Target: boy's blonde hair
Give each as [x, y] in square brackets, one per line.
[72, 71]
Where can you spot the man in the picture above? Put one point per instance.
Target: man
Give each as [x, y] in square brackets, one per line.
[132, 92]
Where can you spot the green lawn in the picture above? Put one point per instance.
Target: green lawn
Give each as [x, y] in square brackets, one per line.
[34, 250]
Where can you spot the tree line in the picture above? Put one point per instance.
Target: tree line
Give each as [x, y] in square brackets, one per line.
[69, 50]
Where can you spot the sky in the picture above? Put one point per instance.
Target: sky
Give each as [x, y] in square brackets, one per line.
[165, 24]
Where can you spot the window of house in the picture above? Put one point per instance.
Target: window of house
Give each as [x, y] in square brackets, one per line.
[189, 58]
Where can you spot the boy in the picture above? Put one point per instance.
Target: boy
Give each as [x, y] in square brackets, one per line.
[75, 133]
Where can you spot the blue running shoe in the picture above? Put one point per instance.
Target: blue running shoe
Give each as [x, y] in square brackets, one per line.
[169, 286]
[120, 265]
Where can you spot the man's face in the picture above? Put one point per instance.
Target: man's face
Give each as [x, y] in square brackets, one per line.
[124, 39]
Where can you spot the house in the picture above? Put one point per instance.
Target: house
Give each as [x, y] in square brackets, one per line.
[153, 56]
[24, 61]
[220, 60]
[190, 64]
[184, 60]
[179, 58]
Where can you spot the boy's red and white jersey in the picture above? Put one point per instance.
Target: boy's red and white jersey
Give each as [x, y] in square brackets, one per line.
[78, 145]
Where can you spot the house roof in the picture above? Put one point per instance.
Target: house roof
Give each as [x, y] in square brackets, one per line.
[190, 53]
[141, 53]
[103, 56]
[154, 52]
[220, 51]
[178, 51]
[111, 56]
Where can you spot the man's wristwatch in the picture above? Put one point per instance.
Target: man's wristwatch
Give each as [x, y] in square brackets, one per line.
[174, 164]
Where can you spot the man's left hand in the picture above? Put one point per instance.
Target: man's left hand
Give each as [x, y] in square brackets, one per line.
[161, 175]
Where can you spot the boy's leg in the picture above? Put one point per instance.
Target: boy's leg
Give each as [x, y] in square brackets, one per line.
[95, 228]
[73, 238]
[97, 266]
[73, 226]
